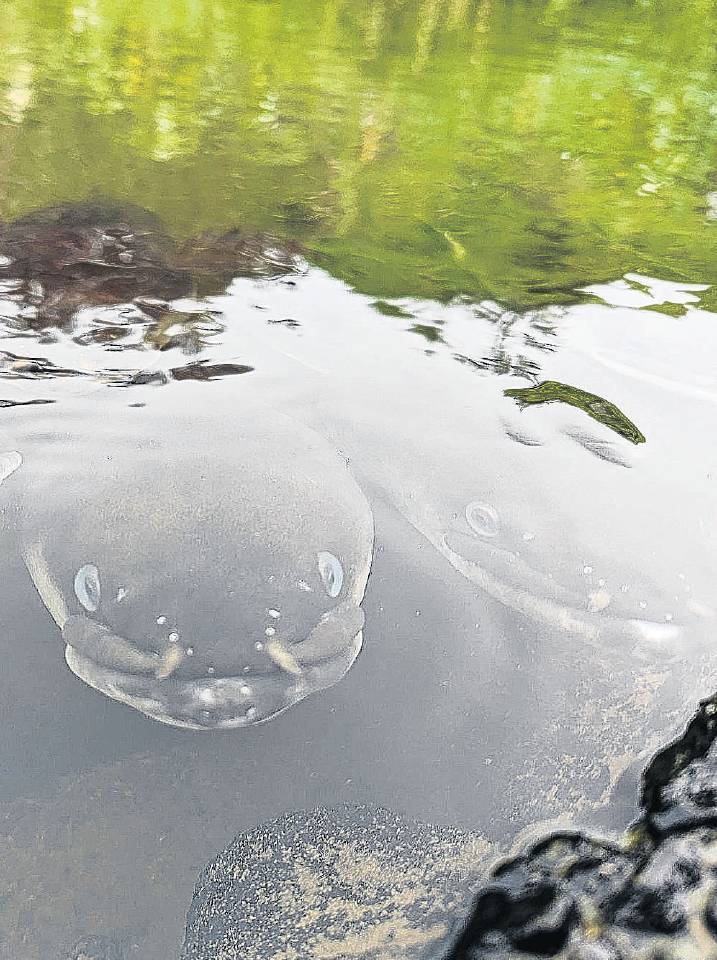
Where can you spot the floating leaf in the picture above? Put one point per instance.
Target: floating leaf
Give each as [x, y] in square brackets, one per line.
[551, 391]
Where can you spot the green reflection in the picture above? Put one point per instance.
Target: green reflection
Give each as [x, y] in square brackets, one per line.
[551, 391]
[432, 147]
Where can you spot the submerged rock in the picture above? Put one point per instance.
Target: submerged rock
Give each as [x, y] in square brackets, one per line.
[358, 882]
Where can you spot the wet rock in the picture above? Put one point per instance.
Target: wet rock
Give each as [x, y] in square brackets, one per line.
[601, 949]
[657, 898]
[534, 902]
[652, 896]
[680, 783]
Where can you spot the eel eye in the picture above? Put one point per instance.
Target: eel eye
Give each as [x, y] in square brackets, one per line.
[87, 587]
[332, 573]
[483, 519]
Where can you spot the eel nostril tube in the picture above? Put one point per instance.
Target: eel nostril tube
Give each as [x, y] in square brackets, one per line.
[99, 644]
[334, 632]
[172, 657]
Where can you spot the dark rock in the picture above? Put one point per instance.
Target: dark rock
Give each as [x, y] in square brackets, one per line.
[652, 896]
[656, 899]
[680, 784]
[548, 932]
[710, 913]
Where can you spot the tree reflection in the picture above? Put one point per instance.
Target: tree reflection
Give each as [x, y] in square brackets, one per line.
[547, 145]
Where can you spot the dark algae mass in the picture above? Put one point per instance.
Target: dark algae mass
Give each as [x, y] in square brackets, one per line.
[601, 410]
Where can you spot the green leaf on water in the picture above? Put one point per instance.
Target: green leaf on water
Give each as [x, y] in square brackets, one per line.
[551, 391]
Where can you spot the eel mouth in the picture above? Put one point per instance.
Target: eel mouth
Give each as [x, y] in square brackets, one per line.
[152, 682]
[507, 578]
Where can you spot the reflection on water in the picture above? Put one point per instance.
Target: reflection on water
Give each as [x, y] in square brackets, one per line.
[464, 251]
[427, 148]
[535, 617]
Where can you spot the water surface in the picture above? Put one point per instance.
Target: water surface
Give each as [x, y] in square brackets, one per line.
[471, 247]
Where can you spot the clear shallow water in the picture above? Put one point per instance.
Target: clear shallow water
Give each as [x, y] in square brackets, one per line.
[541, 605]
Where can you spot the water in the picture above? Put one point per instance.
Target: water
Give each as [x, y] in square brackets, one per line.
[474, 256]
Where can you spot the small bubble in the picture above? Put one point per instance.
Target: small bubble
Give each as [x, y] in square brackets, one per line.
[173, 637]
[258, 645]
[190, 651]
[681, 576]
[601, 582]
[246, 669]
[274, 614]
[121, 594]
[161, 620]
[587, 570]
[245, 690]
[643, 604]
[270, 632]
[211, 671]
